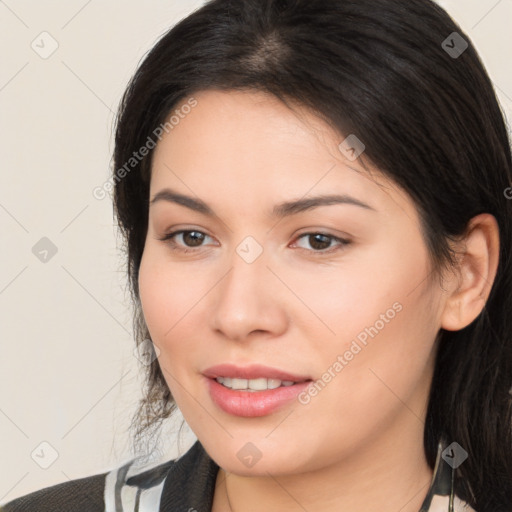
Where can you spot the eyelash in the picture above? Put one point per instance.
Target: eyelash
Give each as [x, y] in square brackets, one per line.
[169, 237]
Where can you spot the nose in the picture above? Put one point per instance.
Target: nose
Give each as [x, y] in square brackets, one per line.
[249, 300]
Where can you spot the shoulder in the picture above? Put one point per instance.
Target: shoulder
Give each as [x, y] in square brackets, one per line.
[184, 483]
[133, 486]
[84, 494]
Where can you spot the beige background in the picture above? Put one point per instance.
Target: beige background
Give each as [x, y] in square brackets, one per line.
[68, 374]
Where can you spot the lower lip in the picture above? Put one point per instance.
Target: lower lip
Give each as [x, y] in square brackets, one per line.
[251, 404]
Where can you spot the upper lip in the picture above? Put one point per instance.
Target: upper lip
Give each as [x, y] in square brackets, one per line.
[254, 371]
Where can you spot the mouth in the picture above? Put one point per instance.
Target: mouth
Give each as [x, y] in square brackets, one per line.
[253, 391]
[252, 372]
[253, 385]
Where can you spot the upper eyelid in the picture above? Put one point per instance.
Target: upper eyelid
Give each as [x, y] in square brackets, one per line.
[342, 240]
[172, 235]
[175, 233]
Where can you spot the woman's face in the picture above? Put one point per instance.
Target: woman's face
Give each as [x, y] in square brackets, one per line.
[295, 265]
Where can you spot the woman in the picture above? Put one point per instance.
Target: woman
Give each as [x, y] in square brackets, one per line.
[313, 195]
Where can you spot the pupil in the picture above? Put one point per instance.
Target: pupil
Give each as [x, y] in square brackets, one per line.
[319, 241]
[196, 239]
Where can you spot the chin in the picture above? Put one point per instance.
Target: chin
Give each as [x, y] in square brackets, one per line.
[258, 458]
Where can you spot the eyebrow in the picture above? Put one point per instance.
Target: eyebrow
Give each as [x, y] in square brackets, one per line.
[280, 210]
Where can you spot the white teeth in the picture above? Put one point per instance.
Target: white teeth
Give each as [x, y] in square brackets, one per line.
[238, 383]
[260, 384]
[273, 383]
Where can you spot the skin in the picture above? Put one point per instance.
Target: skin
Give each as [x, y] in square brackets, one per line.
[358, 444]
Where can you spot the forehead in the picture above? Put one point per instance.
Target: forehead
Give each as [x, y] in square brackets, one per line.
[250, 144]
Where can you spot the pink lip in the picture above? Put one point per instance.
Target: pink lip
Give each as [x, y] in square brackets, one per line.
[252, 404]
[255, 371]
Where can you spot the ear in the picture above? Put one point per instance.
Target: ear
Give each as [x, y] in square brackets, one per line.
[478, 264]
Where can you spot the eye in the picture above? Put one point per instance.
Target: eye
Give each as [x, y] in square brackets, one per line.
[322, 242]
[186, 240]
[183, 240]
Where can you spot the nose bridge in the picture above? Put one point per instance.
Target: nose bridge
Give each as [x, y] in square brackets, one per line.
[243, 288]
[248, 264]
[246, 300]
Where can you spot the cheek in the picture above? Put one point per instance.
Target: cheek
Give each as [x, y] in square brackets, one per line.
[382, 325]
[366, 288]
[167, 294]
[385, 370]
[375, 382]
[171, 304]
[156, 303]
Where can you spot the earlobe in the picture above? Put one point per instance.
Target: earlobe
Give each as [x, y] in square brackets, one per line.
[478, 264]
